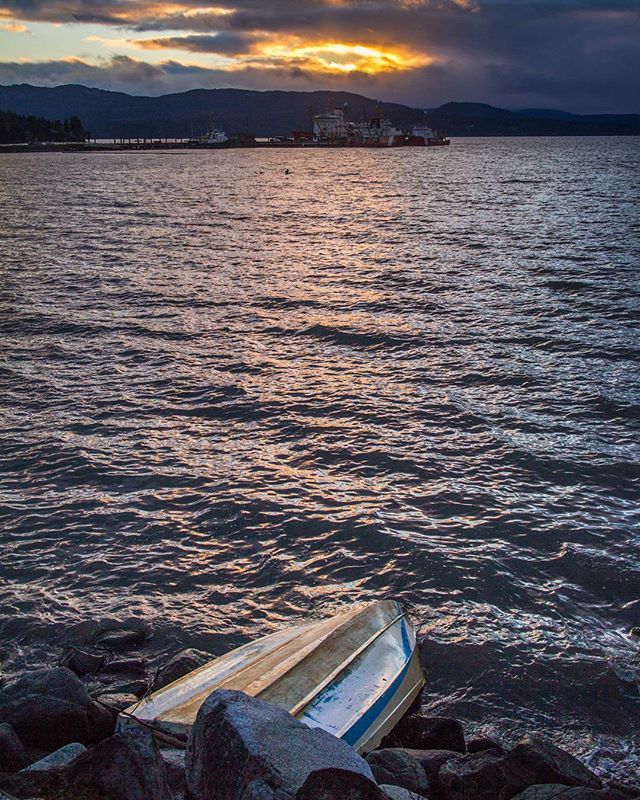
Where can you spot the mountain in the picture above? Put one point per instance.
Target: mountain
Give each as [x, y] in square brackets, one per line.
[108, 114]
[478, 119]
[116, 114]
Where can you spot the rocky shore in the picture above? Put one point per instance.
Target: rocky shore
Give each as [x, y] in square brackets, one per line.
[58, 742]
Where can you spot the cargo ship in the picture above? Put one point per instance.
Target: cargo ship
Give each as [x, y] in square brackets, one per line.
[332, 128]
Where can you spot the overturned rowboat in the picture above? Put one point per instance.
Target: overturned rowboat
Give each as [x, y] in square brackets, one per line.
[354, 675]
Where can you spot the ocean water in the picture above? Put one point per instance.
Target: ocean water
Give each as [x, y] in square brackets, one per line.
[233, 398]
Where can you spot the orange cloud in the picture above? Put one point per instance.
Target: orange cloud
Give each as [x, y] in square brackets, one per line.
[14, 27]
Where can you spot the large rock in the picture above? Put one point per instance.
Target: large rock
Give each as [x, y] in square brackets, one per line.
[114, 637]
[127, 766]
[426, 733]
[398, 793]
[242, 747]
[556, 791]
[536, 761]
[483, 743]
[181, 664]
[175, 769]
[116, 701]
[126, 666]
[398, 768]
[432, 760]
[82, 662]
[59, 758]
[12, 753]
[51, 708]
[491, 775]
[46, 784]
[482, 776]
[338, 784]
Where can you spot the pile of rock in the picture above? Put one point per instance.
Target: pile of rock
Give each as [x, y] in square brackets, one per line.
[242, 748]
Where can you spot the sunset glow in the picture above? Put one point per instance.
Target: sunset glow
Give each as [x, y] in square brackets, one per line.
[420, 52]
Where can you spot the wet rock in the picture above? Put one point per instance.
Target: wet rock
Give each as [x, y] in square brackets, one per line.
[556, 791]
[398, 767]
[635, 632]
[181, 664]
[59, 758]
[128, 765]
[125, 666]
[398, 793]
[13, 756]
[51, 708]
[82, 662]
[119, 637]
[243, 747]
[137, 688]
[484, 743]
[117, 701]
[481, 776]
[338, 784]
[490, 775]
[432, 760]
[536, 761]
[426, 733]
[45, 784]
[174, 764]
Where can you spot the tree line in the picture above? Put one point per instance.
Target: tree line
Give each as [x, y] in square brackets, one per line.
[15, 129]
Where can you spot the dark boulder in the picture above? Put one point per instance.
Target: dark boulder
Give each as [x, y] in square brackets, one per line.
[483, 743]
[243, 747]
[127, 766]
[398, 793]
[479, 776]
[59, 758]
[126, 666]
[116, 701]
[398, 768]
[137, 688]
[432, 760]
[536, 761]
[556, 791]
[51, 708]
[426, 733]
[13, 756]
[175, 769]
[490, 775]
[118, 637]
[338, 784]
[82, 662]
[46, 784]
[181, 664]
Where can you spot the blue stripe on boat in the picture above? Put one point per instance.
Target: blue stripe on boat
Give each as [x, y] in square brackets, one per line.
[368, 718]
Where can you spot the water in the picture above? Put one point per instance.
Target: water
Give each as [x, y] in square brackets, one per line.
[233, 398]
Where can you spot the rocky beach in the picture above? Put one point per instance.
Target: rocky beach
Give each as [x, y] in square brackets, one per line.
[58, 741]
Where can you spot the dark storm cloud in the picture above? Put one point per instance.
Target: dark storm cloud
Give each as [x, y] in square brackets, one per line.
[580, 54]
[222, 43]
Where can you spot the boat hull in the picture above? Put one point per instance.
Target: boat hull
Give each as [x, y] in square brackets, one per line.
[353, 675]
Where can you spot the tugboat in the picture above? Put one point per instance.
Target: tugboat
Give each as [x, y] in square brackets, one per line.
[213, 136]
[423, 135]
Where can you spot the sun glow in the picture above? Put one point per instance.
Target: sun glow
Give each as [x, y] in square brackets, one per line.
[337, 57]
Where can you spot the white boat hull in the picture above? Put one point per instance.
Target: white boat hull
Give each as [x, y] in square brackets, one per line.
[353, 675]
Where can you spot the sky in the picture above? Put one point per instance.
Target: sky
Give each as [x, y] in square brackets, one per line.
[577, 55]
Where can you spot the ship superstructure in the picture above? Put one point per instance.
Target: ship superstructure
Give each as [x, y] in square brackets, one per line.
[333, 128]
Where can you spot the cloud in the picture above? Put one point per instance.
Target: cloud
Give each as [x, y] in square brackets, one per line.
[13, 27]
[581, 54]
[222, 42]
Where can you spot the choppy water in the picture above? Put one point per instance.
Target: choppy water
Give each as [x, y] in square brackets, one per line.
[233, 397]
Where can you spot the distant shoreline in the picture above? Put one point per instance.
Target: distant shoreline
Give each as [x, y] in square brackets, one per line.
[163, 146]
